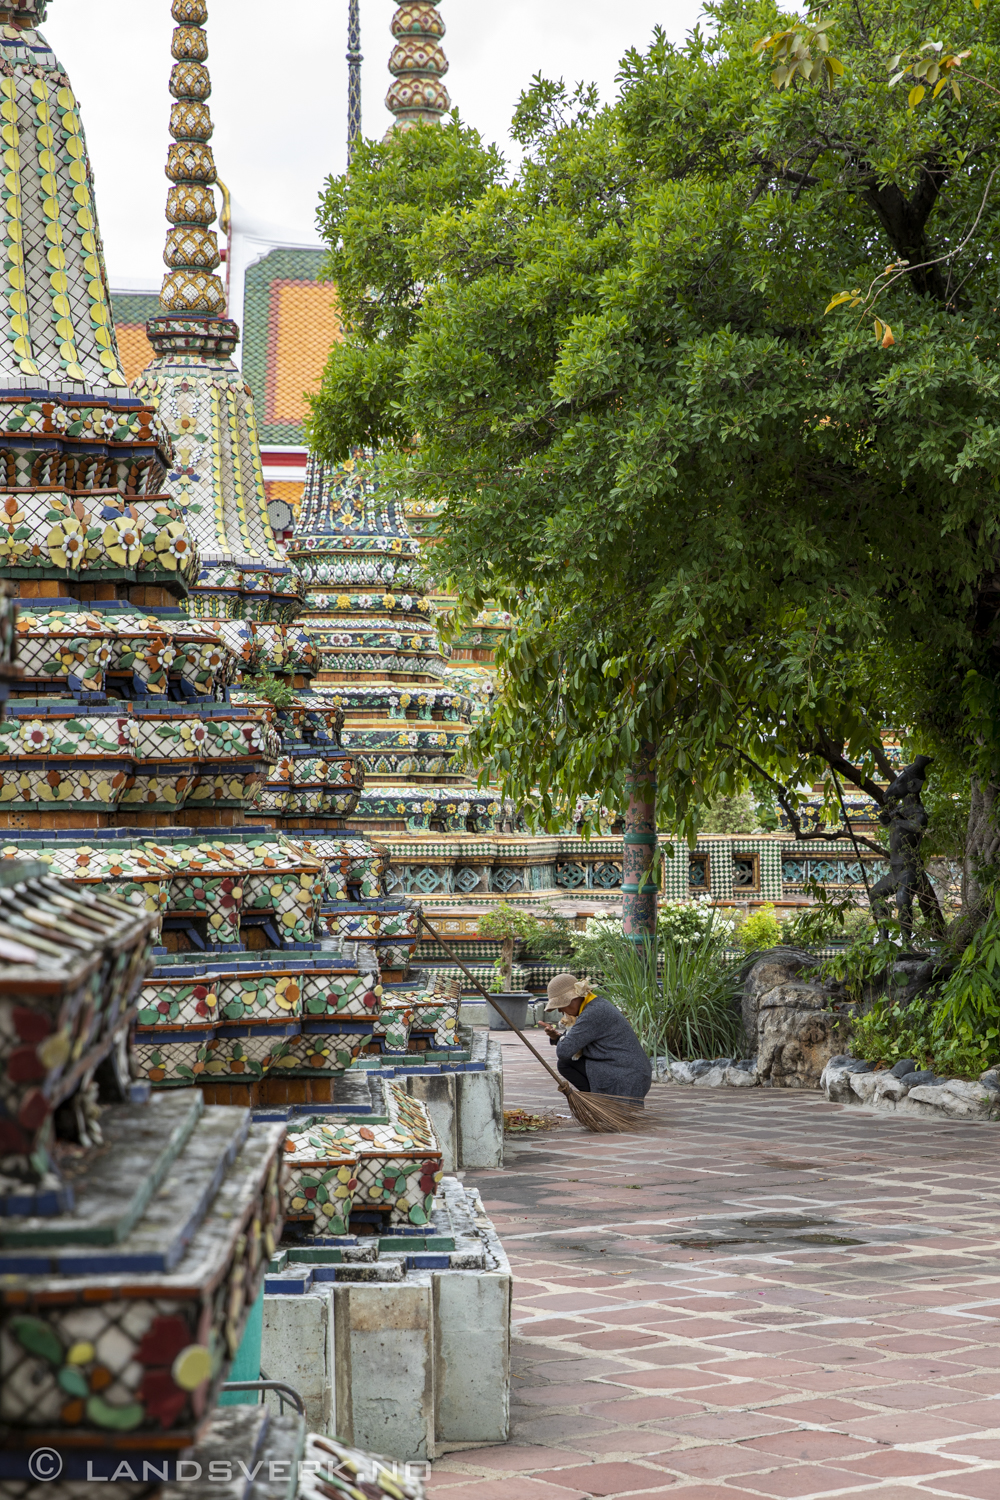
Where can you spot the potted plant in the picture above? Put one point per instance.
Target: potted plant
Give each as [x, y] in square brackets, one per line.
[508, 923]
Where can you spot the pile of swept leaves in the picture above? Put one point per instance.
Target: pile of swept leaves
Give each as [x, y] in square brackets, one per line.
[521, 1122]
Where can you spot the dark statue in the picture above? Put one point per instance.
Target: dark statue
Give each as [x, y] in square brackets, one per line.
[904, 815]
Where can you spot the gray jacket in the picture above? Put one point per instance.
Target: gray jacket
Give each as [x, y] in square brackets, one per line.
[616, 1063]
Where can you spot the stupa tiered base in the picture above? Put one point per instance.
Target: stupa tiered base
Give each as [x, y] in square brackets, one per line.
[119, 1319]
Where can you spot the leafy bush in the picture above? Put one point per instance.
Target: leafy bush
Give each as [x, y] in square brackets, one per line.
[760, 929]
[864, 963]
[550, 937]
[967, 1012]
[953, 1029]
[691, 921]
[589, 945]
[924, 1030]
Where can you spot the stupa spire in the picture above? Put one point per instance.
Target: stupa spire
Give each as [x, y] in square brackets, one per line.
[192, 251]
[354, 61]
[418, 65]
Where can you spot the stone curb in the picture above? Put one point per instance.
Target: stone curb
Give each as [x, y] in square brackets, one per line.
[851, 1081]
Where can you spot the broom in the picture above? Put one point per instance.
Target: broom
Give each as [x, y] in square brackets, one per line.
[602, 1114]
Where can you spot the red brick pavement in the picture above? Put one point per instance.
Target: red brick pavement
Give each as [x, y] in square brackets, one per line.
[766, 1297]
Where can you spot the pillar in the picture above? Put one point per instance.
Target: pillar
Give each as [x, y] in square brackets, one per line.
[638, 889]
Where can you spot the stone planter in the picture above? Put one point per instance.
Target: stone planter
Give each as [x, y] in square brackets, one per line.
[512, 1006]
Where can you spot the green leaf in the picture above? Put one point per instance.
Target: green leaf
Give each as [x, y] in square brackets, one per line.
[38, 1338]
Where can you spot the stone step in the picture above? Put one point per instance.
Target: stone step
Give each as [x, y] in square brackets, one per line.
[159, 1240]
[141, 1144]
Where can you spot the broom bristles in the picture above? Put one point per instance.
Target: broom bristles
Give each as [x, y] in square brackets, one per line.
[605, 1114]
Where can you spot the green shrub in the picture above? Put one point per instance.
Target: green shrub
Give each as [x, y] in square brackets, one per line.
[690, 921]
[863, 963]
[761, 929]
[954, 1029]
[967, 1012]
[924, 1031]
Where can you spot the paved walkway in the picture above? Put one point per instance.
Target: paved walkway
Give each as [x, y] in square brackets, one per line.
[766, 1296]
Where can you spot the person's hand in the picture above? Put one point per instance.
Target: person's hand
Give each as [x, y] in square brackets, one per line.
[552, 1031]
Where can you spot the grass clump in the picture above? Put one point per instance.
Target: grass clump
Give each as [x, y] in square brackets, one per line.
[681, 998]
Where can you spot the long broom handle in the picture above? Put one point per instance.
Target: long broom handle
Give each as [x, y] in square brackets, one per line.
[453, 955]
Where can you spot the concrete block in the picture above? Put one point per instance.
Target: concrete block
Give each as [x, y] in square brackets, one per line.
[297, 1347]
[439, 1092]
[472, 1356]
[480, 1107]
[384, 1367]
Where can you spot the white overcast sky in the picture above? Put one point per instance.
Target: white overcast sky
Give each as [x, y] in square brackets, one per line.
[280, 85]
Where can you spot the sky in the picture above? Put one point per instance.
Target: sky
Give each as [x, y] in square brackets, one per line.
[279, 97]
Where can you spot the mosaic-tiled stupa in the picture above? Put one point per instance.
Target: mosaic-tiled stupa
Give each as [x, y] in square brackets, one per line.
[201, 397]
[417, 94]
[125, 763]
[379, 660]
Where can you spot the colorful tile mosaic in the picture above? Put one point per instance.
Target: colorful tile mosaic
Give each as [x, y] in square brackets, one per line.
[394, 1168]
[71, 963]
[379, 657]
[140, 954]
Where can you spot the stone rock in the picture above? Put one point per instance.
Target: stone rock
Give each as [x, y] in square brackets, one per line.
[864, 1085]
[712, 1078]
[741, 1077]
[907, 1065]
[797, 1033]
[835, 1080]
[680, 1072]
[957, 1099]
[888, 1089]
[991, 1079]
[772, 967]
[920, 1076]
[698, 1066]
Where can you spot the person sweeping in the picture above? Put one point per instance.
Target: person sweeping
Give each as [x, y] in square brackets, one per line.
[599, 1053]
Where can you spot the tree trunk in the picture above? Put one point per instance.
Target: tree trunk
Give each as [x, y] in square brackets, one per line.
[507, 959]
[982, 846]
[638, 891]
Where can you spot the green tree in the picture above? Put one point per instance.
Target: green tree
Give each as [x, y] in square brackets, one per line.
[738, 480]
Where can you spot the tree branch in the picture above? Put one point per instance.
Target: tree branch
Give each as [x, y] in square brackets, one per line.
[791, 813]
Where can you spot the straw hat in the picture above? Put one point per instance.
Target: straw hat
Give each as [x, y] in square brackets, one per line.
[564, 989]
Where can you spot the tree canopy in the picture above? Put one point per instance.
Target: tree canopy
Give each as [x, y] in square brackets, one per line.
[711, 386]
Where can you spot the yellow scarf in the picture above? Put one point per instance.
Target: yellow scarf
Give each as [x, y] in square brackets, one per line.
[590, 996]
